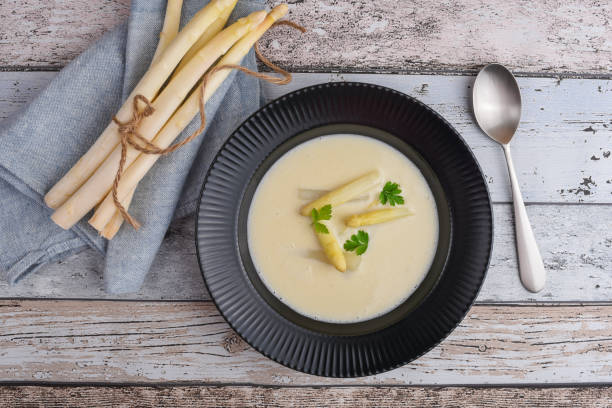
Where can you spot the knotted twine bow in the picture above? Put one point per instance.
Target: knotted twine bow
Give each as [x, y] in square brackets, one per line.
[128, 130]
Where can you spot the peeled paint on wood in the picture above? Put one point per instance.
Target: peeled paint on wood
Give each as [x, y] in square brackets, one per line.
[118, 342]
[561, 149]
[429, 36]
[298, 397]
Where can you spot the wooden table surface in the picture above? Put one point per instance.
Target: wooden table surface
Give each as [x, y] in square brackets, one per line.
[63, 340]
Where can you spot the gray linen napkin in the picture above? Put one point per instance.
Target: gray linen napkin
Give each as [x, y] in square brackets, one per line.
[41, 142]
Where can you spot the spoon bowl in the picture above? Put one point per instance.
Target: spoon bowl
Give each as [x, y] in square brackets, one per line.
[497, 102]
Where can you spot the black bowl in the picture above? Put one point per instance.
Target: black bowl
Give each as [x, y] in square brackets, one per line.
[387, 341]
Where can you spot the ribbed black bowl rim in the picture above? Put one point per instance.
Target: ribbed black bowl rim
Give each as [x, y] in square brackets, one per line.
[298, 347]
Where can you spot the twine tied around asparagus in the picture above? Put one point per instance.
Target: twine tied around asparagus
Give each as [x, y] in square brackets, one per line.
[128, 130]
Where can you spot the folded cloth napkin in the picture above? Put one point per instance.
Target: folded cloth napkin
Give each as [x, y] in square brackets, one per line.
[42, 141]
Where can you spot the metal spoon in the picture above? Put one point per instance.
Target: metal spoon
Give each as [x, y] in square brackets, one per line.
[497, 107]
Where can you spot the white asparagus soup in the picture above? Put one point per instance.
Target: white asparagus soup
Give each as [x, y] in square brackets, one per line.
[301, 264]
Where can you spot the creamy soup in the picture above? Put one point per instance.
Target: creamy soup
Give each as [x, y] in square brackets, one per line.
[288, 256]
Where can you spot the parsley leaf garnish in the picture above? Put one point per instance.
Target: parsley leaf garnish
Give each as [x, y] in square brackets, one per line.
[358, 242]
[322, 214]
[391, 194]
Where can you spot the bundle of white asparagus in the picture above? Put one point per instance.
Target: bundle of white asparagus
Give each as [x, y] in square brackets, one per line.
[174, 86]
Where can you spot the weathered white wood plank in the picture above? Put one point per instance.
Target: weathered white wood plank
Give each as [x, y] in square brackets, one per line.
[562, 146]
[89, 341]
[386, 35]
[18, 88]
[575, 241]
[299, 397]
[51, 33]
[545, 37]
[561, 151]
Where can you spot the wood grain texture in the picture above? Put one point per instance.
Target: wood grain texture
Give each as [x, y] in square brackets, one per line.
[546, 37]
[338, 397]
[111, 341]
[561, 150]
[556, 150]
[574, 241]
[50, 33]
[19, 88]
[563, 157]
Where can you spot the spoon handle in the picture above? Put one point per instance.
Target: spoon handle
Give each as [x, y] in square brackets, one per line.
[531, 267]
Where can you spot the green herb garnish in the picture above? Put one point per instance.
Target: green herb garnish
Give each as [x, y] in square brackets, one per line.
[358, 242]
[322, 214]
[391, 194]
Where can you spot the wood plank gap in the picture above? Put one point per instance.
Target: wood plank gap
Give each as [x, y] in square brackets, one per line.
[373, 71]
[187, 384]
[26, 68]
[527, 303]
[424, 71]
[337, 397]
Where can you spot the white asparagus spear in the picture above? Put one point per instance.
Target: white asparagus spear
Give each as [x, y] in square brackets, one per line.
[183, 116]
[205, 37]
[99, 184]
[148, 86]
[310, 194]
[353, 261]
[115, 222]
[170, 29]
[332, 249]
[345, 193]
[378, 216]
